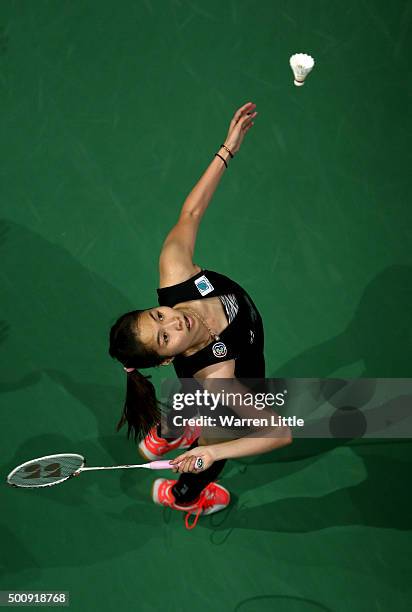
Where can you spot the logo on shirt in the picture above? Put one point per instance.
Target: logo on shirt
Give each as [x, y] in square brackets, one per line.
[204, 285]
[219, 349]
[252, 336]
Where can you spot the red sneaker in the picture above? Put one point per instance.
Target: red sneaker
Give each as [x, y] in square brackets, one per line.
[152, 446]
[213, 498]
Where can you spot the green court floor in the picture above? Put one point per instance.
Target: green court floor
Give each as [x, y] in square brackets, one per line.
[110, 113]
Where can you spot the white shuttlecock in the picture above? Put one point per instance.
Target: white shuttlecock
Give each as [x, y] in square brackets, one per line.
[301, 65]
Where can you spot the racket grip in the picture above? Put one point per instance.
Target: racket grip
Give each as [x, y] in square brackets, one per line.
[160, 465]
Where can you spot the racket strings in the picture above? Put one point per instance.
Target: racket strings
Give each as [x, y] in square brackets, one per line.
[46, 470]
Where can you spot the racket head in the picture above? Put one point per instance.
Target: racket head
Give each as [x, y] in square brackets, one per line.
[46, 471]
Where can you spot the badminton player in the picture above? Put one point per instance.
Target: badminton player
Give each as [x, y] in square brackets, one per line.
[207, 326]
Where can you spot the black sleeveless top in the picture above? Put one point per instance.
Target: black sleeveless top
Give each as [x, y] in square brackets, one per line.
[242, 339]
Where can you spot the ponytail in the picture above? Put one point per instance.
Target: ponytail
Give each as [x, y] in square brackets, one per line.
[141, 409]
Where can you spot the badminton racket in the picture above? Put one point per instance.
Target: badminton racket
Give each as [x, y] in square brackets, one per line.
[54, 469]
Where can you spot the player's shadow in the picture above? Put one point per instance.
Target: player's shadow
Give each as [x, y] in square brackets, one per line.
[337, 393]
[368, 503]
[379, 333]
[56, 317]
[58, 312]
[377, 501]
[256, 470]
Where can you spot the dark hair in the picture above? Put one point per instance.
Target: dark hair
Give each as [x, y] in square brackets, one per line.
[141, 408]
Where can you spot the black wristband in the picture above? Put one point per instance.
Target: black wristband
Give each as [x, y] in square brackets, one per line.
[222, 158]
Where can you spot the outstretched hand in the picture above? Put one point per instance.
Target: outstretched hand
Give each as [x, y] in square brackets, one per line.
[241, 123]
[186, 461]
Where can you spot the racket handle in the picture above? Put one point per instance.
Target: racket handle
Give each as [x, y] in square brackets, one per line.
[160, 465]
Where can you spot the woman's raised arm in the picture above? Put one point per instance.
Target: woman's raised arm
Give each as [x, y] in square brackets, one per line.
[198, 199]
[176, 257]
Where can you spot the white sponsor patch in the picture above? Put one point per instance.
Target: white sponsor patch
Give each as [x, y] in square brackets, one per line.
[204, 285]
